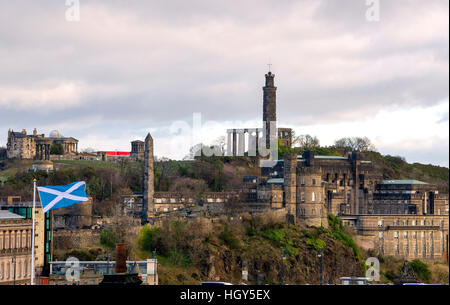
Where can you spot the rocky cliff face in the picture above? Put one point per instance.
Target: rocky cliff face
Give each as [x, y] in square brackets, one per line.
[228, 250]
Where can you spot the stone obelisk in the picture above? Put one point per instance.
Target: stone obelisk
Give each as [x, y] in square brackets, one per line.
[149, 178]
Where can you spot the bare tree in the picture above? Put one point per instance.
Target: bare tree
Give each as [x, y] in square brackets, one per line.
[355, 144]
[306, 141]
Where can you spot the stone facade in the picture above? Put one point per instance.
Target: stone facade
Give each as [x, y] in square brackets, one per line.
[137, 150]
[350, 188]
[36, 146]
[15, 249]
[43, 229]
[407, 236]
[76, 238]
[76, 216]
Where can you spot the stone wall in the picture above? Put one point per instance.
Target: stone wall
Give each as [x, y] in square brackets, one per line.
[75, 239]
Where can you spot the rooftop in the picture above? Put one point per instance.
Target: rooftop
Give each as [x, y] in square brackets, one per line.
[410, 181]
[9, 215]
[276, 180]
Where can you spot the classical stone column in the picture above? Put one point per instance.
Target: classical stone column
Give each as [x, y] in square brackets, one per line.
[252, 144]
[230, 142]
[234, 142]
[241, 145]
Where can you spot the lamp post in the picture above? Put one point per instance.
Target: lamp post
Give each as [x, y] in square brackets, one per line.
[283, 257]
[154, 266]
[13, 261]
[321, 265]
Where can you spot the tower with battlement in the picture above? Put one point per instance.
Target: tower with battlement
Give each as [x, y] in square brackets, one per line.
[270, 109]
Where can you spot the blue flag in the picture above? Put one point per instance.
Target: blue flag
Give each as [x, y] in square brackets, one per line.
[60, 196]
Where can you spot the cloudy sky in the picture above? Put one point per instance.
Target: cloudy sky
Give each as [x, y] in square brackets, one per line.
[131, 67]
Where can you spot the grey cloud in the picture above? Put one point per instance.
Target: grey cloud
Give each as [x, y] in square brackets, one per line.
[150, 63]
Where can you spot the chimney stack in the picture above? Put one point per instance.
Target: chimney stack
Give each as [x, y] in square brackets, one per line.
[121, 258]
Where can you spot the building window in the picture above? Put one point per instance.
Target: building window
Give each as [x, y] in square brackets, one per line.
[313, 197]
[381, 235]
[415, 235]
[395, 234]
[405, 235]
[414, 222]
[380, 222]
[423, 234]
[313, 181]
[313, 212]
[396, 249]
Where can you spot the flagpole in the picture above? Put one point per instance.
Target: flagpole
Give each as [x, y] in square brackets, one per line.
[32, 234]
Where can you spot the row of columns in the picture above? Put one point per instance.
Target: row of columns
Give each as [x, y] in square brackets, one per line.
[70, 147]
[256, 144]
[236, 141]
[43, 151]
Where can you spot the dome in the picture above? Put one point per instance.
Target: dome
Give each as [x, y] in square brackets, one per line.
[55, 134]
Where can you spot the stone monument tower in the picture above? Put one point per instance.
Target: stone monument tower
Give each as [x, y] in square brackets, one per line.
[270, 108]
[149, 186]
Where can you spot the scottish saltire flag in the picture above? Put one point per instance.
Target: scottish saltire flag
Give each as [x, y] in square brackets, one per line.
[60, 196]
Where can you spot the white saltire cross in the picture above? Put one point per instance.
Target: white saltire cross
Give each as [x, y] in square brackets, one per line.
[61, 195]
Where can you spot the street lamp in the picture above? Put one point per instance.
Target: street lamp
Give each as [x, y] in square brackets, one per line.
[154, 266]
[283, 257]
[321, 264]
[13, 261]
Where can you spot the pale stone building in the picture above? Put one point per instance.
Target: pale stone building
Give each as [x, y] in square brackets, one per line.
[15, 248]
[43, 229]
[21, 145]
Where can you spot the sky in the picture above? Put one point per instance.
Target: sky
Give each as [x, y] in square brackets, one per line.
[126, 68]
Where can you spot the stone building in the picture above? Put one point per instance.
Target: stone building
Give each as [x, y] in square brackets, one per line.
[407, 197]
[43, 230]
[137, 150]
[77, 216]
[408, 236]
[387, 215]
[36, 146]
[15, 249]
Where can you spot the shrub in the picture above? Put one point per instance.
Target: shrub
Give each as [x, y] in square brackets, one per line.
[421, 269]
[316, 243]
[108, 238]
[147, 238]
[229, 239]
[57, 149]
[337, 228]
[275, 236]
